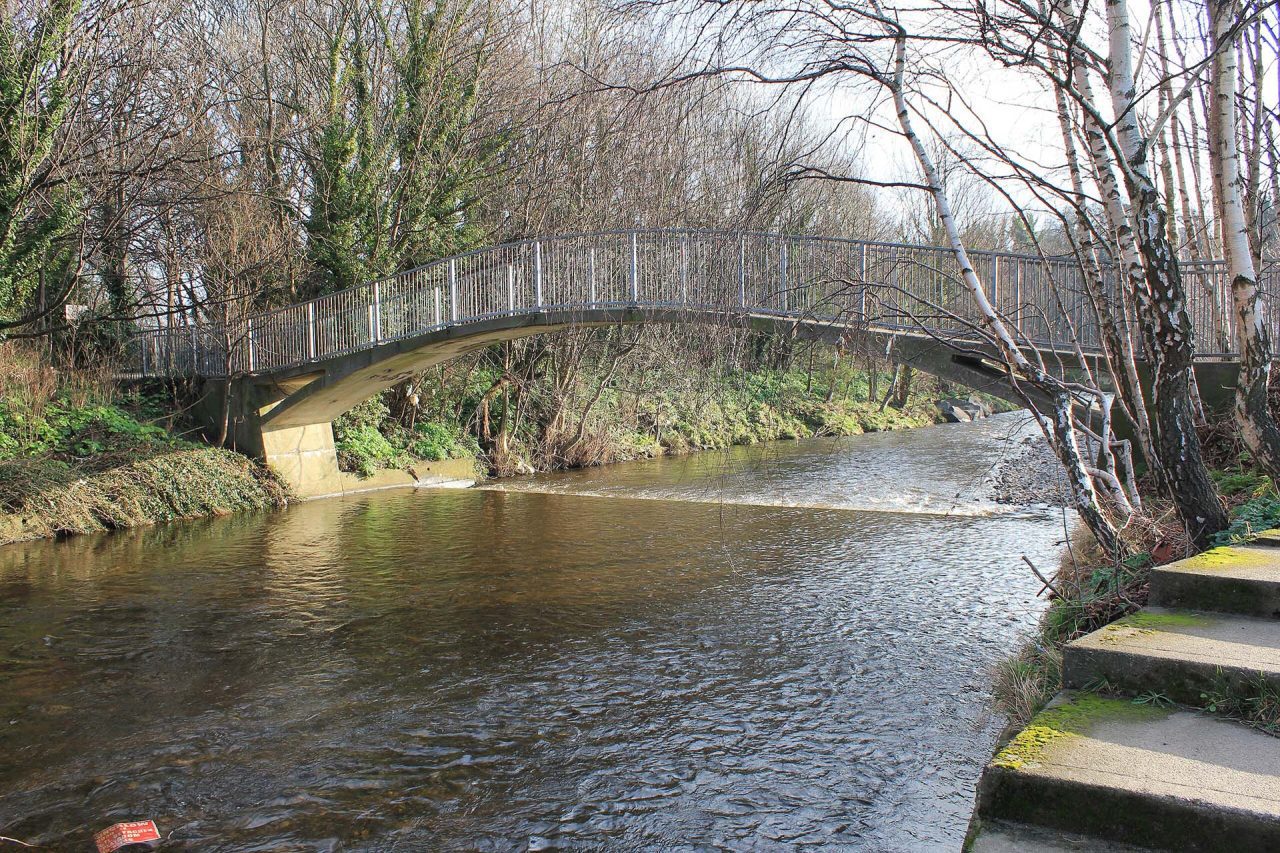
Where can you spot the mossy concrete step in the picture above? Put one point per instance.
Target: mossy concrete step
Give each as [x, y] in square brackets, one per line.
[1268, 537]
[997, 836]
[1178, 653]
[1243, 579]
[1138, 774]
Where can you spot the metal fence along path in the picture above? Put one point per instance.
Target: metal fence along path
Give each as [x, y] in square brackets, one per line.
[883, 286]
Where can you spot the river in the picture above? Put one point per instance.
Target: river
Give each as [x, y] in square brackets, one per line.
[779, 647]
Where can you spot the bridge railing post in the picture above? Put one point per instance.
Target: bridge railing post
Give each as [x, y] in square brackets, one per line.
[375, 313]
[995, 281]
[311, 331]
[453, 290]
[511, 288]
[591, 273]
[783, 257]
[742, 271]
[537, 273]
[253, 349]
[684, 268]
[635, 268]
[435, 297]
[863, 317]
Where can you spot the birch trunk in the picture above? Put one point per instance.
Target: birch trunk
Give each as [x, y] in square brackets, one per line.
[1117, 344]
[1161, 303]
[1060, 429]
[1257, 426]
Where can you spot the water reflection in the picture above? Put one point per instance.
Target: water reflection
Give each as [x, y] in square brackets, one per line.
[495, 670]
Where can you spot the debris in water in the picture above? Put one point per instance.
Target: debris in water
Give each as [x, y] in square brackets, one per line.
[113, 838]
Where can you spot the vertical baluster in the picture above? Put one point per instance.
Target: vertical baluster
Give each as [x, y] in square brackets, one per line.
[635, 268]
[252, 349]
[684, 268]
[862, 296]
[591, 272]
[537, 273]
[453, 290]
[311, 331]
[782, 272]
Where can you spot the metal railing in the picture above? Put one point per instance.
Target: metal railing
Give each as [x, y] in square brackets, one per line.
[863, 284]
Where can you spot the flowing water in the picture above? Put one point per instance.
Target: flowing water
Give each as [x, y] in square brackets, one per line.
[769, 648]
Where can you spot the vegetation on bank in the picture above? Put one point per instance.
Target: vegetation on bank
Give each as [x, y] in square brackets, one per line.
[79, 456]
[625, 395]
[1088, 592]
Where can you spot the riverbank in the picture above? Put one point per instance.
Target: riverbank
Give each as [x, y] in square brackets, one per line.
[47, 498]
[1030, 473]
[1085, 590]
[79, 455]
[1151, 639]
[1166, 730]
[519, 419]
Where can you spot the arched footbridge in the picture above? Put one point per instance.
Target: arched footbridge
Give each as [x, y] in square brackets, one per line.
[285, 374]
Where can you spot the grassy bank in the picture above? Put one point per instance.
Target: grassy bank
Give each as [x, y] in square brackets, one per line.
[518, 410]
[79, 456]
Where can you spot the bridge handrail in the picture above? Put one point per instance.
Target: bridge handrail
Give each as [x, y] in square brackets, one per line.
[1043, 311]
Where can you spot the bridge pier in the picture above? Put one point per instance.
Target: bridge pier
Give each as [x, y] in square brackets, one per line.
[303, 456]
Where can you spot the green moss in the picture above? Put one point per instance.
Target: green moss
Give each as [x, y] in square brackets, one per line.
[1071, 718]
[1145, 620]
[1228, 557]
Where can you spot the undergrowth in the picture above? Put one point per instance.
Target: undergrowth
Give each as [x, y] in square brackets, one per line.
[523, 423]
[1256, 702]
[48, 497]
[77, 455]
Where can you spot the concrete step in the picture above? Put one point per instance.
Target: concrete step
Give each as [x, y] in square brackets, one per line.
[1180, 654]
[1243, 579]
[997, 836]
[1137, 774]
[1268, 537]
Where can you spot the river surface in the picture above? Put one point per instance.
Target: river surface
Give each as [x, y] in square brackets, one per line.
[772, 648]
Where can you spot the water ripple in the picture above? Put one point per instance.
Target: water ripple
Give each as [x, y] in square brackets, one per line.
[489, 670]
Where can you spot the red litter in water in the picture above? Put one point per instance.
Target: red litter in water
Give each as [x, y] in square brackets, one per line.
[113, 838]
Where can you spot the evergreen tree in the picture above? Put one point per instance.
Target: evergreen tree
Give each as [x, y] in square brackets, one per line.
[390, 197]
[344, 226]
[38, 213]
[437, 173]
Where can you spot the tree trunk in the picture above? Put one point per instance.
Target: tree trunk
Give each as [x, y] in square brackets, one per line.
[1059, 429]
[1257, 426]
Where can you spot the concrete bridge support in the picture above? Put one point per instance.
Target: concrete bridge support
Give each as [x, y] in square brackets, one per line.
[303, 456]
